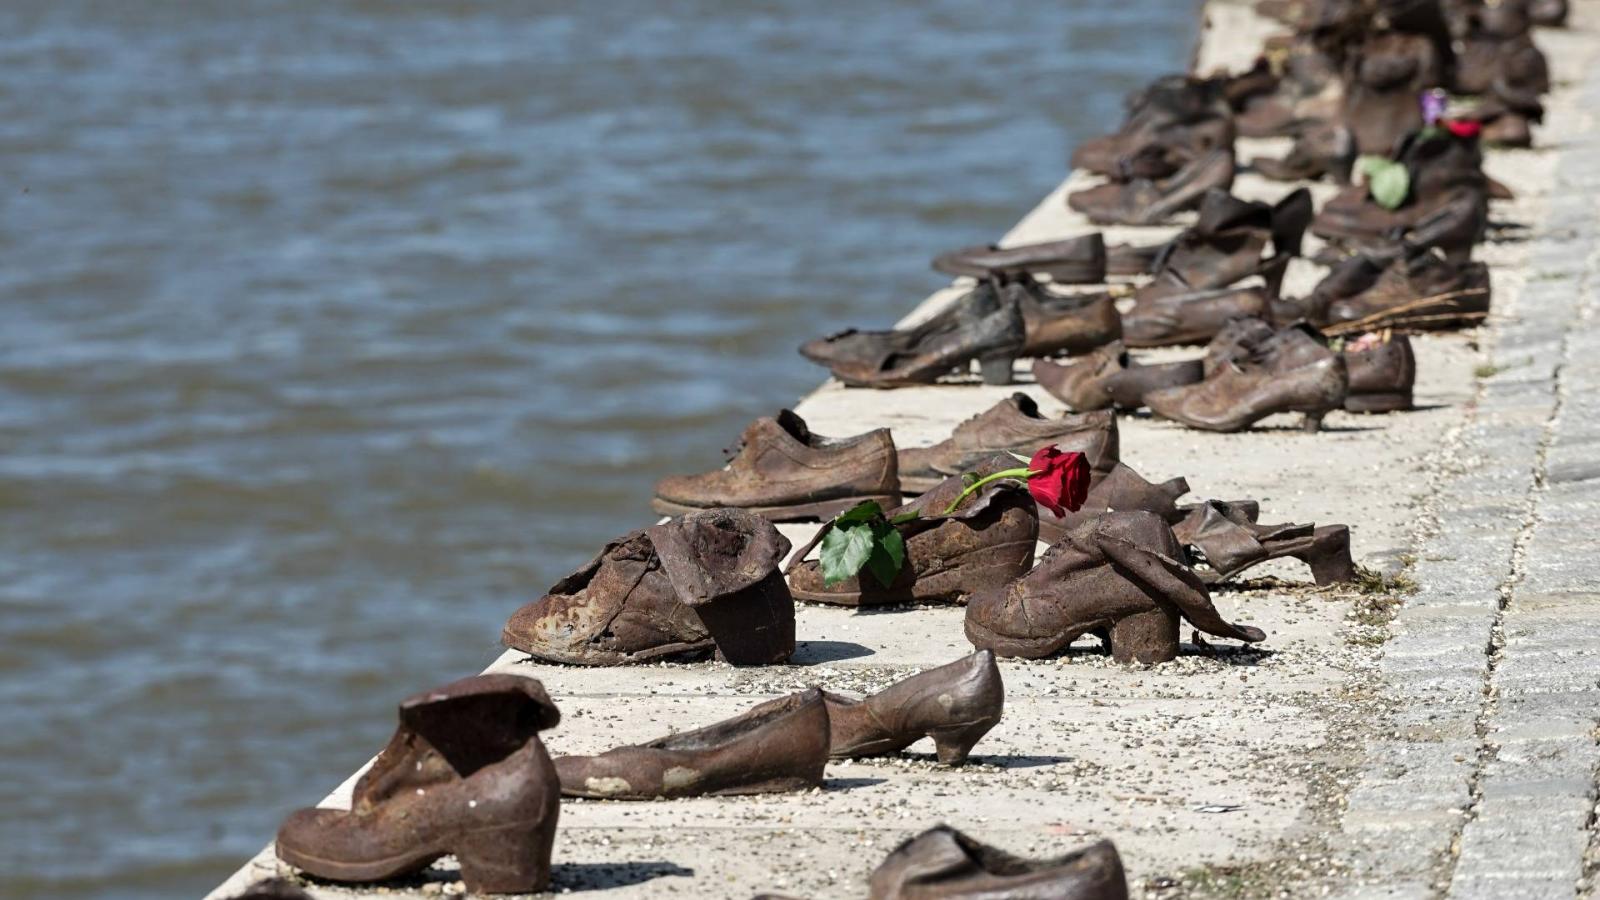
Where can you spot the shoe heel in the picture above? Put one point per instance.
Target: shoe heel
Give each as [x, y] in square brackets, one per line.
[953, 745]
[998, 370]
[1312, 421]
[513, 859]
[1147, 637]
[1329, 558]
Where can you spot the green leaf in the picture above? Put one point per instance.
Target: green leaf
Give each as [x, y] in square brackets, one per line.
[1389, 186]
[888, 554]
[1367, 163]
[844, 551]
[861, 513]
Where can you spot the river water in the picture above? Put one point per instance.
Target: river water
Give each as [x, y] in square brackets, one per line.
[332, 332]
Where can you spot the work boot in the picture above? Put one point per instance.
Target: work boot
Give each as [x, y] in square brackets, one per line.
[781, 471]
[955, 704]
[700, 583]
[464, 774]
[1079, 260]
[1109, 377]
[1295, 372]
[1064, 323]
[1383, 373]
[944, 864]
[985, 543]
[982, 325]
[1152, 202]
[780, 745]
[1013, 425]
[1118, 576]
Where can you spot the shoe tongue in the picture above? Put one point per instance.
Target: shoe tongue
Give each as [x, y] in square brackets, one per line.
[480, 720]
[711, 554]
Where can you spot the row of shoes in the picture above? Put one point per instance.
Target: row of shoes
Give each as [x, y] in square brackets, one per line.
[467, 774]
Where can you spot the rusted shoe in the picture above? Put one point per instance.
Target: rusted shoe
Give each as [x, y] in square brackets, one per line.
[1229, 243]
[1447, 205]
[1229, 541]
[464, 774]
[784, 472]
[1424, 290]
[1120, 490]
[944, 864]
[1133, 259]
[1309, 90]
[1383, 373]
[1145, 201]
[1079, 260]
[1175, 116]
[780, 745]
[1064, 323]
[1013, 425]
[1295, 372]
[1238, 340]
[955, 704]
[1323, 149]
[985, 324]
[1194, 317]
[985, 543]
[1110, 377]
[707, 582]
[1119, 576]
[1384, 78]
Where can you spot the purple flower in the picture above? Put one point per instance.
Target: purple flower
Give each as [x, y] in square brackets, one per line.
[1433, 103]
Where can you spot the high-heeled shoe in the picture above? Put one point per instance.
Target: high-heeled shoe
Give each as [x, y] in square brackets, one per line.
[1118, 575]
[780, 745]
[465, 773]
[1294, 371]
[955, 704]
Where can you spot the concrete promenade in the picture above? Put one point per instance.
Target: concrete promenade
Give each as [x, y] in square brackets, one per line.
[1427, 734]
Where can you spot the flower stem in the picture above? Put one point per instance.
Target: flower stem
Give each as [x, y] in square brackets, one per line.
[1008, 473]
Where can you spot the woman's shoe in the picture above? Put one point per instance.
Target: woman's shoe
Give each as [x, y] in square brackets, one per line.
[1229, 541]
[1383, 373]
[944, 864]
[1152, 202]
[1292, 372]
[986, 543]
[464, 774]
[1110, 377]
[780, 745]
[782, 471]
[1118, 575]
[955, 704]
[707, 582]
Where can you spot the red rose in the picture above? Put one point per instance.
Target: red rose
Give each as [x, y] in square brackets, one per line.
[1464, 128]
[1058, 481]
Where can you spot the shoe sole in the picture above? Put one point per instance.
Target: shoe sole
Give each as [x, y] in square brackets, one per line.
[1377, 403]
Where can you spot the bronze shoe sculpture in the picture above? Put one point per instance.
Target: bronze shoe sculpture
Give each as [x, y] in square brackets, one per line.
[1145, 201]
[1193, 317]
[981, 325]
[1120, 490]
[986, 542]
[780, 745]
[1228, 243]
[1118, 576]
[1383, 79]
[1423, 291]
[944, 864]
[703, 583]
[464, 774]
[1383, 373]
[1178, 115]
[782, 471]
[1110, 377]
[1325, 148]
[1229, 541]
[955, 704]
[1013, 425]
[1079, 260]
[1295, 372]
[1057, 323]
